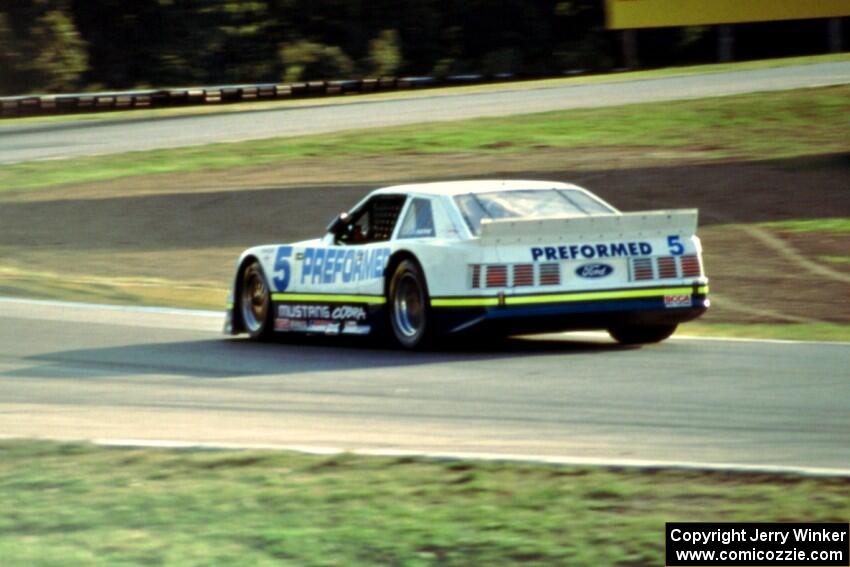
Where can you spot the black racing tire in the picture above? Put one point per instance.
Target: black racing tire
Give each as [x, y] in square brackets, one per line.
[641, 334]
[255, 302]
[409, 307]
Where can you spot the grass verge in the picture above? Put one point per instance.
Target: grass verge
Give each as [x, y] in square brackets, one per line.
[752, 126]
[833, 225]
[835, 259]
[783, 331]
[154, 292]
[78, 504]
[443, 91]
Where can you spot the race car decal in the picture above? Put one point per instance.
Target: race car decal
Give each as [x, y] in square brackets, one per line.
[330, 266]
[335, 312]
[324, 326]
[330, 327]
[678, 300]
[594, 270]
[324, 318]
[612, 250]
[588, 251]
[565, 297]
[282, 269]
[352, 328]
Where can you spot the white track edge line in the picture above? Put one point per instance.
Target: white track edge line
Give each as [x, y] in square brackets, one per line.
[209, 313]
[111, 307]
[640, 464]
[752, 340]
[561, 460]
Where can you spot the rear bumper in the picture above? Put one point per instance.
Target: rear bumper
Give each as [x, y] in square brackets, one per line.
[576, 311]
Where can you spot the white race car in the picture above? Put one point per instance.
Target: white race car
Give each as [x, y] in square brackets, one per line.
[418, 262]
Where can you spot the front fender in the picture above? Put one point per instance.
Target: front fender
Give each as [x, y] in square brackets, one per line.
[265, 256]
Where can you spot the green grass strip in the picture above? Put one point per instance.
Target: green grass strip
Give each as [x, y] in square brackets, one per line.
[82, 505]
[835, 225]
[754, 126]
[783, 331]
[835, 259]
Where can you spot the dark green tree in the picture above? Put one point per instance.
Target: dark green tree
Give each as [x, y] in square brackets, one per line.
[40, 49]
[305, 60]
[385, 54]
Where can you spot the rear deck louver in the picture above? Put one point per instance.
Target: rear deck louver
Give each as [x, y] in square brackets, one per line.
[667, 267]
[550, 274]
[476, 275]
[523, 275]
[497, 276]
[690, 266]
[642, 269]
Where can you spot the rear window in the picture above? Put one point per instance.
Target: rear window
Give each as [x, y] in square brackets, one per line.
[530, 204]
[419, 221]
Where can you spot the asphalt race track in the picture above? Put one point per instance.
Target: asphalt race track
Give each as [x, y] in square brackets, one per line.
[74, 137]
[111, 374]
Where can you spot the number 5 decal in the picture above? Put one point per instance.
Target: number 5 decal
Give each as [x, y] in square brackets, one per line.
[675, 245]
[282, 270]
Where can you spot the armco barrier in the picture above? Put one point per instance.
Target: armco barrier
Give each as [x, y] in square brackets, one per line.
[40, 105]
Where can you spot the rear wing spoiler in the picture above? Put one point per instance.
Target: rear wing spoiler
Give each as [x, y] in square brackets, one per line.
[647, 224]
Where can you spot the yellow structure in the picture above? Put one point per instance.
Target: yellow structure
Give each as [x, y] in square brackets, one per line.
[630, 14]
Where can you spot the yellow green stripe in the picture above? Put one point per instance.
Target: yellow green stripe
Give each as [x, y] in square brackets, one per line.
[564, 297]
[330, 298]
[465, 302]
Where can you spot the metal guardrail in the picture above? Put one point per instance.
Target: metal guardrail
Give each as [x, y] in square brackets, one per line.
[51, 104]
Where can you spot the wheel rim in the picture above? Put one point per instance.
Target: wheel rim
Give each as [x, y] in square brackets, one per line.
[408, 307]
[255, 300]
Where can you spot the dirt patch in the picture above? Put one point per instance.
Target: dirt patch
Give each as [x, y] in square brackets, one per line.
[751, 283]
[831, 249]
[190, 228]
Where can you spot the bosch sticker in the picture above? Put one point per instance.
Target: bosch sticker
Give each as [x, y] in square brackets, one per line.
[683, 300]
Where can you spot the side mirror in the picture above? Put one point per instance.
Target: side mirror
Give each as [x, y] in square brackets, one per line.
[339, 223]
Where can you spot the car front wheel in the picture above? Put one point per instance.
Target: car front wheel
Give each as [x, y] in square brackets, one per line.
[408, 306]
[255, 302]
[641, 334]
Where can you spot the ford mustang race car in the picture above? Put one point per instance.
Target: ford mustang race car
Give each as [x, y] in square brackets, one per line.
[419, 262]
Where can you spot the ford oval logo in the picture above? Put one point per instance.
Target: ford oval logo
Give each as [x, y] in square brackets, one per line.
[594, 270]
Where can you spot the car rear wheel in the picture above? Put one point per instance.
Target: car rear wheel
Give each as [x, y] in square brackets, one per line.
[255, 302]
[641, 334]
[409, 306]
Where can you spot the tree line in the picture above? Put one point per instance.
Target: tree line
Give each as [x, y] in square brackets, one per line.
[73, 45]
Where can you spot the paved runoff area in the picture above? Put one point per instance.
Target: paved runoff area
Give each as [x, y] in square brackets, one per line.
[113, 374]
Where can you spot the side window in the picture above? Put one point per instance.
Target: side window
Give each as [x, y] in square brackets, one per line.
[419, 220]
[374, 222]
